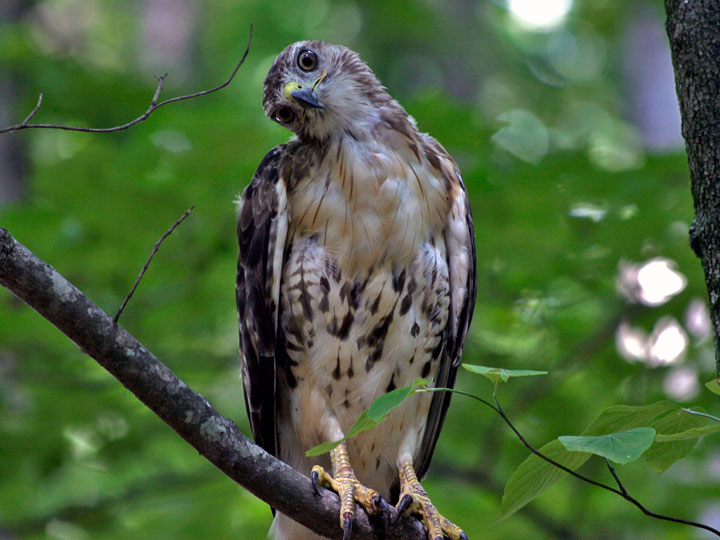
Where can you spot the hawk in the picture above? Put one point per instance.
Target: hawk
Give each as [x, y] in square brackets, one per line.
[356, 275]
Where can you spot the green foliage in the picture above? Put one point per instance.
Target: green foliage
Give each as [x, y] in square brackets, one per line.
[376, 413]
[713, 386]
[498, 375]
[666, 452]
[534, 476]
[661, 432]
[622, 447]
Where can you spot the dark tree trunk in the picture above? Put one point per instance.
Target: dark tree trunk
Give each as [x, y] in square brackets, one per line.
[694, 31]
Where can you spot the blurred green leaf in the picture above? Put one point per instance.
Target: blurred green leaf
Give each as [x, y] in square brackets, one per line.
[535, 475]
[622, 447]
[692, 433]
[713, 386]
[662, 454]
[500, 374]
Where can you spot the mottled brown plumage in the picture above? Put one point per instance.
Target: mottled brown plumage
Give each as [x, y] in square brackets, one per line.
[356, 275]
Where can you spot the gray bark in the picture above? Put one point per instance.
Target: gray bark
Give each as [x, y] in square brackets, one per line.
[188, 413]
[694, 31]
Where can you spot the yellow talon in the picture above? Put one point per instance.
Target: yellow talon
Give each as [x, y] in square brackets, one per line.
[344, 482]
[414, 500]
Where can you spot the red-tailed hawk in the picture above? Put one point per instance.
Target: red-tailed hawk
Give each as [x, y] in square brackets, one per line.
[356, 275]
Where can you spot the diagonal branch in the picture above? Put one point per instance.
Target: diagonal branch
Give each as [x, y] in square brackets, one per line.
[154, 105]
[188, 413]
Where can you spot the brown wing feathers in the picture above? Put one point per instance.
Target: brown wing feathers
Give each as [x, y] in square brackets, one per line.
[257, 233]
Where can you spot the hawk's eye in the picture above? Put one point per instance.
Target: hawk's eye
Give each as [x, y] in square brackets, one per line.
[307, 60]
[284, 115]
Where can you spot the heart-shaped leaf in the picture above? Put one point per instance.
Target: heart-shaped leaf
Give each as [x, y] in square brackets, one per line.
[622, 447]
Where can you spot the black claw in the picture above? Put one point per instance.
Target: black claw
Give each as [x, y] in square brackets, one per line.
[404, 504]
[463, 536]
[348, 527]
[316, 488]
[382, 505]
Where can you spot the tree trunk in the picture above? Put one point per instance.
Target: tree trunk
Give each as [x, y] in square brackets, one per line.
[694, 31]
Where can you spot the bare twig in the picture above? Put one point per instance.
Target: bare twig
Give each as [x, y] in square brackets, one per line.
[149, 259]
[187, 412]
[622, 492]
[615, 476]
[35, 110]
[154, 105]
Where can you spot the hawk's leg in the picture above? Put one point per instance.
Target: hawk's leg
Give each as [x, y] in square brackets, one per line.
[414, 500]
[344, 482]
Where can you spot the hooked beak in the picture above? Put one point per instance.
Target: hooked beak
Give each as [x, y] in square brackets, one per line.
[306, 97]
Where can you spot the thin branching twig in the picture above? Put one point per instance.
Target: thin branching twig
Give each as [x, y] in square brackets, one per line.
[154, 105]
[149, 259]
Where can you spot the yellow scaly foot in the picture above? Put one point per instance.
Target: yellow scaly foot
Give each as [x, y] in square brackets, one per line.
[414, 500]
[344, 482]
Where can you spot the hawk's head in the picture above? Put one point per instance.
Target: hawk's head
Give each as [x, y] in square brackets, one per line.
[317, 89]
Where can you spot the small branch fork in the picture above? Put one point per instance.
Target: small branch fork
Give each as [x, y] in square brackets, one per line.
[621, 491]
[154, 105]
[149, 259]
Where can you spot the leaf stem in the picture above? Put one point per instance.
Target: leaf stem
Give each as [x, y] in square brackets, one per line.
[698, 413]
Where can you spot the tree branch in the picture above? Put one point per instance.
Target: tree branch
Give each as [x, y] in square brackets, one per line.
[188, 413]
[154, 105]
[694, 32]
[149, 260]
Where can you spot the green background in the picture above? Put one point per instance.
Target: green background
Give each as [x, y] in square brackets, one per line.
[540, 123]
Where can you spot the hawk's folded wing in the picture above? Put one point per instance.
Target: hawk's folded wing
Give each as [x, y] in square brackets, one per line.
[460, 245]
[262, 231]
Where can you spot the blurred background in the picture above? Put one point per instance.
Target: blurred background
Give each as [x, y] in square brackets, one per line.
[563, 117]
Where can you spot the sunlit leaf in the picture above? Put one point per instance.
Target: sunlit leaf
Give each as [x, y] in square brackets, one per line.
[622, 447]
[501, 375]
[376, 413]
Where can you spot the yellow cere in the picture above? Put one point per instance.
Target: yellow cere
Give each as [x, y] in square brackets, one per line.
[291, 87]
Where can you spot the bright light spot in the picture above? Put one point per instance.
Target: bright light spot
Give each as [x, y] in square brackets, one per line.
[659, 281]
[652, 283]
[540, 14]
[588, 210]
[697, 319]
[667, 343]
[631, 342]
[681, 384]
